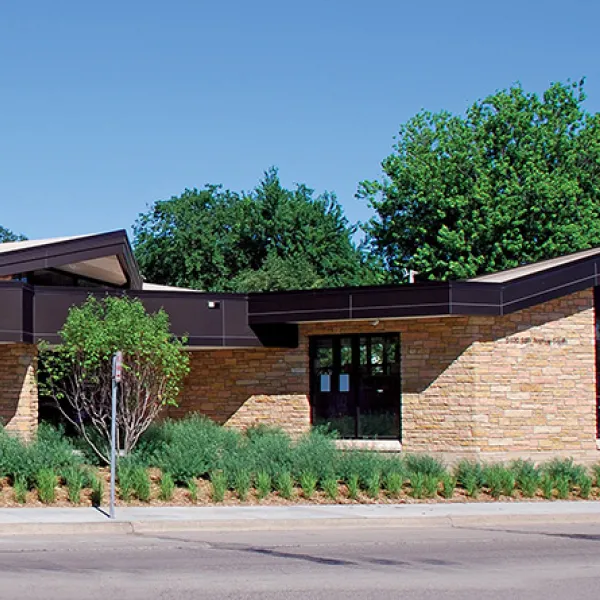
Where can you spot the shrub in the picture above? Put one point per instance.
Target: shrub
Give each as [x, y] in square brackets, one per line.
[194, 447]
[315, 453]
[585, 487]
[417, 484]
[374, 485]
[284, 484]
[269, 450]
[425, 464]
[308, 482]
[393, 484]
[565, 469]
[362, 464]
[46, 485]
[263, 484]
[74, 478]
[596, 471]
[192, 486]
[448, 486]
[167, 487]
[20, 489]
[499, 479]
[469, 475]
[547, 484]
[353, 487]
[241, 482]
[330, 487]
[140, 481]
[563, 486]
[97, 486]
[218, 481]
[125, 477]
[430, 485]
[527, 477]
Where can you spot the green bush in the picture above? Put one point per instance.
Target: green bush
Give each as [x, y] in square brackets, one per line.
[241, 482]
[308, 482]
[499, 479]
[448, 486]
[469, 474]
[362, 464]
[315, 453]
[97, 486]
[417, 484]
[563, 487]
[353, 487]
[125, 471]
[20, 489]
[527, 477]
[263, 484]
[218, 482]
[425, 464]
[585, 487]
[565, 469]
[74, 478]
[374, 485]
[167, 487]
[269, 450]
[596, 471]
[45, 482]
[547, 484]
[330, 487]
[284, 484]
[431, 484]
[140, 480]
[192, 486]
[392, 483]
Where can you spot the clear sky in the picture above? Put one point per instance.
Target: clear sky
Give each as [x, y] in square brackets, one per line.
[108, 106]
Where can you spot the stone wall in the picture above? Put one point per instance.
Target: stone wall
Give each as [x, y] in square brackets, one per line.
[248, 387]
[480, 387]
[18, 389]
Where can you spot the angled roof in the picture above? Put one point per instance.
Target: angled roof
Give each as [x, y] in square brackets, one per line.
[106, 257]
[537, 267]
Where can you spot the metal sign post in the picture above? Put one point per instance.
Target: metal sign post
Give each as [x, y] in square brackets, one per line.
[117, 376]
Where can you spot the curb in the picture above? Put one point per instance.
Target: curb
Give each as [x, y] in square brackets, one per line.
[152, 527]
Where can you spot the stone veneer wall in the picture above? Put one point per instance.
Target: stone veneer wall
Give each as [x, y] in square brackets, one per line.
[244, 387]
[489, 387]
[18, 389]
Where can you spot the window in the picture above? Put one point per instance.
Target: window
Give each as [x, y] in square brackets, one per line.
[355, 385]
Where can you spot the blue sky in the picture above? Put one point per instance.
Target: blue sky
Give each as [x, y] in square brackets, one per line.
[108, 106]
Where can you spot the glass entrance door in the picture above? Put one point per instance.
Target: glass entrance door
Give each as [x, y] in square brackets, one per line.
[355, 385]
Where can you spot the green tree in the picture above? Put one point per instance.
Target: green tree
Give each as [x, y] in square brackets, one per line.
[515, 180]
[270, 238]
[77, 373]
[8, 236]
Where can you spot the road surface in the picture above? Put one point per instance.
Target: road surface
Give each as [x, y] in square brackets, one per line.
[529, 562]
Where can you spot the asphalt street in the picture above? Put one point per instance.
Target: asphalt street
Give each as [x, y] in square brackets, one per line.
[536, 561]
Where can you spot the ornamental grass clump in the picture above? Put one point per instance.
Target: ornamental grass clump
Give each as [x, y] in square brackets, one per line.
[192, 487]
[563, 487]
[315, 453]
[20, 489]
[565, 469]
[547, 485]
[218, 482]
[330, 487]
[97, 486]
[417, 485]
[585, 486]
[264, 484]
[167, 487]
[242, 481]
[308, 482]
[284, 484]
[469, 475]
[431, 484]
[425, 464]
[373, 487]
[45, 482]
[527, 477]
[353, 487]
[392, 484]
[74, 478]
[448, 486]
[140, 480]
[499, 479]
[125, 479]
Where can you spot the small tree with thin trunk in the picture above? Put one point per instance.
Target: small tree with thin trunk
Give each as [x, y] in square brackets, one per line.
[77, 373]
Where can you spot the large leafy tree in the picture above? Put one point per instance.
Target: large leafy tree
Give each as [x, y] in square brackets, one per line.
[270, 238]
[515, 180]
[8, 236]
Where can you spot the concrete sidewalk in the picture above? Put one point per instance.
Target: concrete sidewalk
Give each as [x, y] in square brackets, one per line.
[37, 521]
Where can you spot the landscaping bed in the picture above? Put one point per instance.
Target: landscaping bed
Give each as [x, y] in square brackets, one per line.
[196, 462]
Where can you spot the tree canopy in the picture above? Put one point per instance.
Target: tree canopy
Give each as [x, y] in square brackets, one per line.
[514, 180]
[8, 236]
[270, 238]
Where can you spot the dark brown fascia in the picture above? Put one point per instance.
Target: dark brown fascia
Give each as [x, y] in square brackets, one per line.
[424, 299]
[56, 254]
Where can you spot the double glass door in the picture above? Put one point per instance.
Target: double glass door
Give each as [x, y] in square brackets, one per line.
[355, 385]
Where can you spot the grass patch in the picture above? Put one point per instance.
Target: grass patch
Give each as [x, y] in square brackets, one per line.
[264, 484]
[167, 487]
